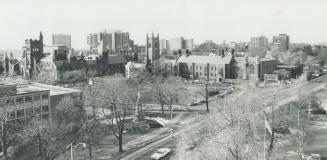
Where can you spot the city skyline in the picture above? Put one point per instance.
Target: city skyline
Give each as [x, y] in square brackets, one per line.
[214, 20]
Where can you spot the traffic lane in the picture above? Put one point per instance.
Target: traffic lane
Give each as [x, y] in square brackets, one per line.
[171, 144]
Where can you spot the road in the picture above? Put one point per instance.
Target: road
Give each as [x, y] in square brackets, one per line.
[279, 97]
[158, 144]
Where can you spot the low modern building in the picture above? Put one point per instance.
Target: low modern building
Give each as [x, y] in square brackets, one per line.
[22, 101]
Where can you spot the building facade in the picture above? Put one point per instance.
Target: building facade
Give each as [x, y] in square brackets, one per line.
[189, 44]
[152, 48]
[259, 45]
[164, 46]
[62, 40]
[212, 67]
[282, 42]
[32, 54]
[24, 102]
[115, 42]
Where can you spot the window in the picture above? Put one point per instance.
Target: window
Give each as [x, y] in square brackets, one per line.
[211, 68]
[45, 109]
[28, 99]
[37, 110]
[215, 68]
[211, 74]
[45, 97]
[200, 68]
[215, 75]
[200, 73]
[20, 113]
[29, 112]
[2, 103]
[12, 115]
[20, 100]
[205, 74]
[10, 102]
[37, 98]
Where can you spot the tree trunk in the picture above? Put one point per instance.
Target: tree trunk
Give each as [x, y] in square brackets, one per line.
[90, 145]
[4, 141]
[171, 113]
[207, 97]
[162, 109]
[137, 109]
[120, 142]
[40, 143]
[94, 116]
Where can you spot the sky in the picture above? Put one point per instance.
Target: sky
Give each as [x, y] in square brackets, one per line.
[217, 20]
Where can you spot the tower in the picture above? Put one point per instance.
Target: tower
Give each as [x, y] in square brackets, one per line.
[152, 48]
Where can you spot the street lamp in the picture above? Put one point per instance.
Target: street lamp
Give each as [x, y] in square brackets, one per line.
[72, 148]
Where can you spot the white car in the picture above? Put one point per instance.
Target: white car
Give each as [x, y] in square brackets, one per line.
[160, 153]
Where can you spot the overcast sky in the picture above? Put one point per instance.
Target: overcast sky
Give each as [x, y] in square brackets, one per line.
[217, 20]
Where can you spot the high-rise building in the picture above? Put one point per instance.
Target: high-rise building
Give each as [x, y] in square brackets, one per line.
[281, 42]
[259, 45]
[114, 42]
[93, 40]
[164, 46]
[177, 43]
[152, 48]
[181, 43]
[61, 40]
[189, 44]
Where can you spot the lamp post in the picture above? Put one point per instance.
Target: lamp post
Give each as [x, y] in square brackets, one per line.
[72, 148]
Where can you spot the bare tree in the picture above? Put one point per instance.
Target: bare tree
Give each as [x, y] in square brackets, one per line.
[169, 93]
[116, 102]
[48, 137]
[205, 93]
[9, 133]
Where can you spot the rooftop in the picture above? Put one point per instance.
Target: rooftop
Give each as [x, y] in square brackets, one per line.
[116, 59]
[212, 59]
[19, 86]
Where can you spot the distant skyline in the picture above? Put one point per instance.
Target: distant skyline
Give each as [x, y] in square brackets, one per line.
[217, 20]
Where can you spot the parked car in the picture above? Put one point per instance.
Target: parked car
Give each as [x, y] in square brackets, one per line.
[160, 153]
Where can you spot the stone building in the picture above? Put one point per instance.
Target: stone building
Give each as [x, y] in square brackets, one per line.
[212, 67]
[32, 54]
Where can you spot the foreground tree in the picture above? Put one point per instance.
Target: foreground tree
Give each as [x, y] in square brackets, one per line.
[116, 103]
[48, 137]
[169, 93]
[10, 134]
[205, 93]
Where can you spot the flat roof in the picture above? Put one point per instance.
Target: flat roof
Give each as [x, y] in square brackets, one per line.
[24, 86]
[55, 90]
[22, 89]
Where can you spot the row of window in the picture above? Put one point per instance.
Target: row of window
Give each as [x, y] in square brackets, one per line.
[205, 68]
[28, 112]
[26, 99]
[205, 74]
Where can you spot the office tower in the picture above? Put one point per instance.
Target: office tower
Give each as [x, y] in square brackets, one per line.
[281, 42]
[61, 40]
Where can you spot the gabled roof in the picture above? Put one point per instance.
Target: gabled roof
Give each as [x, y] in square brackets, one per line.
[116, 60]
[214, 59]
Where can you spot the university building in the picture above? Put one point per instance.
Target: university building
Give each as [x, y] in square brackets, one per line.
[213, 67]
[22, 101]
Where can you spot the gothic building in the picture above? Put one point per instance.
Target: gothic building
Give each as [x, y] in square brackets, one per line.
[32, 54]
[152, 49]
